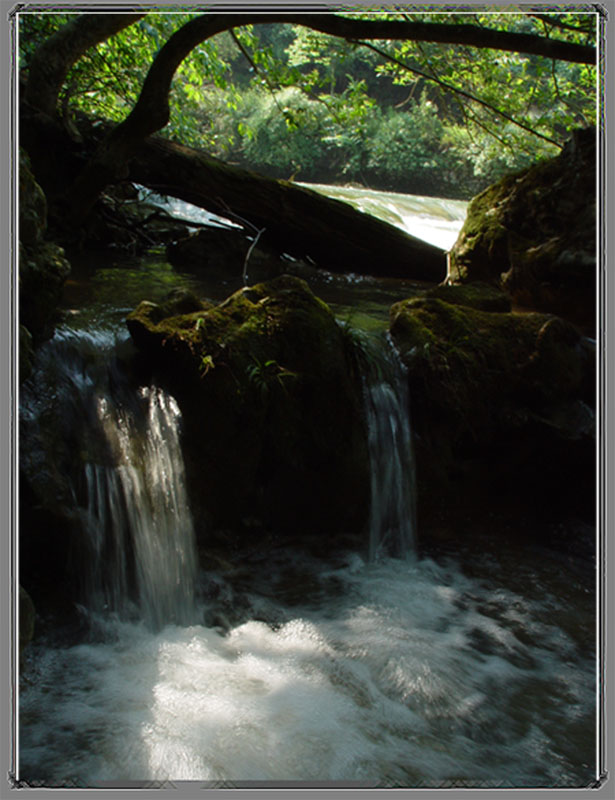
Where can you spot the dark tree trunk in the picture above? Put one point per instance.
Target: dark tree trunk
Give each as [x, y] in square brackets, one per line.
[296, 220]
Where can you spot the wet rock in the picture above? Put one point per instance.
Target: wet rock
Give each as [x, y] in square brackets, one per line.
[27, 616]
[477, 295]
[26, 353]
[502, 407]
[32, 205]
[272, 412]
[534, 234]
[43, 268]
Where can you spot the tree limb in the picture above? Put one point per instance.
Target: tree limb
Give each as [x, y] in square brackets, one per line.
[57, 54]
[452, 88]
[151, 112]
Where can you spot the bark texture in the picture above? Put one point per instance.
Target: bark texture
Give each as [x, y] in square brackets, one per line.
[296, 220]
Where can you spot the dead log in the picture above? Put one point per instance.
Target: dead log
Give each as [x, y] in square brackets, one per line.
[296, 220]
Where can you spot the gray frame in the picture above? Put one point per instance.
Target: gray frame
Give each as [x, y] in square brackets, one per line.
[8, 395]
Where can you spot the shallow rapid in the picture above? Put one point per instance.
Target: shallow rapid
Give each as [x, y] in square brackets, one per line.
[384, 667]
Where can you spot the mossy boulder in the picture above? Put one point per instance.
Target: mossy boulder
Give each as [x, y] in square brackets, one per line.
[274, 436]
[43, 268]
[502, 407]
[533, 234]
[481, 296]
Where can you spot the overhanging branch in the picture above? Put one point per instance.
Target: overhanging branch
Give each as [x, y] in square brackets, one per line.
[151, 112]
[57, 54]
[449, 87]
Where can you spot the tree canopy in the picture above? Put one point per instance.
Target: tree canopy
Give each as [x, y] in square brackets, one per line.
[438, 100]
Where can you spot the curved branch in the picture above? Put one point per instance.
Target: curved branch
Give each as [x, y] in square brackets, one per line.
[449, 87]
[151, 112]
[57, 54]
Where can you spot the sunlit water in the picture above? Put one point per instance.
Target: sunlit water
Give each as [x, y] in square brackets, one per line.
[394, 674]
[436, 220]
[475, 669]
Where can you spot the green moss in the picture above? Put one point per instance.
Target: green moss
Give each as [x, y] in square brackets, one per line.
[477, 295]
[471, 363]
[272, 406]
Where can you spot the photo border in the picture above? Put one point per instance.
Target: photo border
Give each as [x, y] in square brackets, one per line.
[8, 438]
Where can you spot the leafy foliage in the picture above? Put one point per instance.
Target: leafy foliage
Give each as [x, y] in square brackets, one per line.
[291, 101]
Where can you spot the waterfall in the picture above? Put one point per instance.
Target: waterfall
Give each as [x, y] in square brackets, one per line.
[392, 512]
[135, 553]
[137, 510]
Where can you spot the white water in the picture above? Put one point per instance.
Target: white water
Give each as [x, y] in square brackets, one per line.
[141, 504]
[406, 675]
[388, 672]
[392, 509]
[437, 220]
[137, 553]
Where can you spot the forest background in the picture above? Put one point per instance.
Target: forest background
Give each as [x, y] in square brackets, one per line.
[410, 116]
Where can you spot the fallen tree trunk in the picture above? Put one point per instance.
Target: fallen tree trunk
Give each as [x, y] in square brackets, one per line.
[295, 220]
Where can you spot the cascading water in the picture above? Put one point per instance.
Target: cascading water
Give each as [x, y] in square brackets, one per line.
[141, 504]
[392, 507]
[137, 554]
[388, 672]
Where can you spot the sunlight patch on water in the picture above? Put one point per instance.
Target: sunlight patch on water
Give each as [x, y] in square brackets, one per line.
[388, 683]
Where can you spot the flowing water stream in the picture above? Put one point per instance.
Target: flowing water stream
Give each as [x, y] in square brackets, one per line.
[385, 668]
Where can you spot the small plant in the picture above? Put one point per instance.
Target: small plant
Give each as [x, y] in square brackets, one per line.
[264, 376]
[207, 364]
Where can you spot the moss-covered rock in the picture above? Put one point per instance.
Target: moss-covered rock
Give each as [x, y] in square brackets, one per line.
[502, 406]
[273, 418]
[534, 234]
[42, 266]
[481, 296]
[32, 205]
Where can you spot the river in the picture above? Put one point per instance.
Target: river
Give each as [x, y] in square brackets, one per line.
[388, 667]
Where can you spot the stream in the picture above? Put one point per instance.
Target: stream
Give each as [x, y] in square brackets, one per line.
[389, 667]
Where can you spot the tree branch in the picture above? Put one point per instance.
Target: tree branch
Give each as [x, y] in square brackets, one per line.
[548, 19]
[57, 54]
[452, 88]
[151, 112]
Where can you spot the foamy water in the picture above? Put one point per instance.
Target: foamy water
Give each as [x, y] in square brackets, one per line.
[280, 667]
[407, 675]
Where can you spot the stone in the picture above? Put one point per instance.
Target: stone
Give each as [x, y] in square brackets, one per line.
[43, 269]
[502, 408]
[533, 235]
[272, 409]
